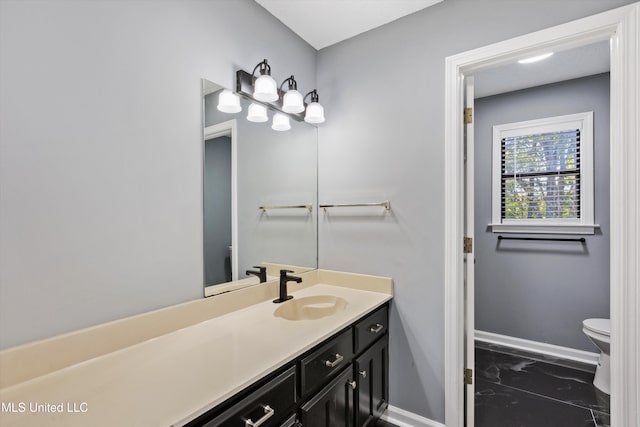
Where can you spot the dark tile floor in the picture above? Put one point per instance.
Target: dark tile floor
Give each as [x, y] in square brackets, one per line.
[518, 391]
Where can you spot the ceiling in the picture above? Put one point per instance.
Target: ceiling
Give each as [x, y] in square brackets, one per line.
[322, 23]
[565, 65]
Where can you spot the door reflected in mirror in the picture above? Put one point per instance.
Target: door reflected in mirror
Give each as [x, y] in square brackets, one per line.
[259, 196]
[220, 266]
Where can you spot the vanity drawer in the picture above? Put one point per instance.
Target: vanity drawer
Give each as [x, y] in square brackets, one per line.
[329, 359]
[371, 328]
[272, 403]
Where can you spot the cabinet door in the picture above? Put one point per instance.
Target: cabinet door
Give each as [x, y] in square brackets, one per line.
[333, 405]
[372, 373]
[291, 422]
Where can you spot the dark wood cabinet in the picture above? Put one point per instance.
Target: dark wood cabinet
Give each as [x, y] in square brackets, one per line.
[342, 382]
[372, 373]
[325, 362]
[333, 405]
[268, 406]
[292, 421]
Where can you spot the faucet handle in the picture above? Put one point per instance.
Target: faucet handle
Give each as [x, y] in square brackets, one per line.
[260, 267]
[284, 272]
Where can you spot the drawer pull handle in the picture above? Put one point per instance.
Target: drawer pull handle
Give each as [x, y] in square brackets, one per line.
[333, 364]
[363, 374]
[353, 384]
[377, 328]
[268, 413]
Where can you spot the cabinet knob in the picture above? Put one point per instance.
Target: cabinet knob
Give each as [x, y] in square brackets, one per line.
[353, 384]
[363, 374]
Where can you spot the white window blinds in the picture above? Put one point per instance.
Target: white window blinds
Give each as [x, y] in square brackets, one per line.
[541, 175]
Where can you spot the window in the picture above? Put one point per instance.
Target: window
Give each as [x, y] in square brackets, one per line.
[543, 176]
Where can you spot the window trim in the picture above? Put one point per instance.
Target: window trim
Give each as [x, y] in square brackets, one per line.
[583, 225]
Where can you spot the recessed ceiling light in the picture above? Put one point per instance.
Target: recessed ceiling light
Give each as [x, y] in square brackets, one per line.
[535, 58]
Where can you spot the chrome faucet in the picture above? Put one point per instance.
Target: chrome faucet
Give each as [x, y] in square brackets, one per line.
[284, 278]
[261, 273]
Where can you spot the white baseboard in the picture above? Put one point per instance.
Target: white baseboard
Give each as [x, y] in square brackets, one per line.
[403, 418]
[538, 347]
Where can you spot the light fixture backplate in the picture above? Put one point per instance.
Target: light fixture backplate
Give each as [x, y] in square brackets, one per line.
[244, 88]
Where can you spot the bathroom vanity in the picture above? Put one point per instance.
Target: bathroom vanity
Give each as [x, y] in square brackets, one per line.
[234, 359]
[340, 382]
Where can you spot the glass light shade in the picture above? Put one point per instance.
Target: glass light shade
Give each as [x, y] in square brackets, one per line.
[315, 113]
[265, 89]
[280, 122]
[257, 113]
[292, 102]
[229, 102]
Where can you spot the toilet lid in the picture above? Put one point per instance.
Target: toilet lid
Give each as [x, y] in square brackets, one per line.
[601, 326]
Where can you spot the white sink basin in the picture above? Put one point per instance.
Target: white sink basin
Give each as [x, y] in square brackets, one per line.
[309, 308]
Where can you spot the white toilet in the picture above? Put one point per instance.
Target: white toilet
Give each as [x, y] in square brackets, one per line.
[599, 331]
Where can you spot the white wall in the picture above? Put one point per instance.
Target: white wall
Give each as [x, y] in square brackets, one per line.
[100, 150]
[383, 93]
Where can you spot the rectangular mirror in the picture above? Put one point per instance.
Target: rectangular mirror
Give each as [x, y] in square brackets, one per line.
[259, 196]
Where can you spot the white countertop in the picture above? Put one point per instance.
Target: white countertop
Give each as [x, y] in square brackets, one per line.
[175, 377]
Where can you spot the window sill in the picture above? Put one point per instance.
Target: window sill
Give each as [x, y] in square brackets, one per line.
[545, 228]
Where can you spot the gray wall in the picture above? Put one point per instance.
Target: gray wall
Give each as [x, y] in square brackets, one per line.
[542, 291]
[278, 168]
[383, 93]
[217, 210]
[101, 150]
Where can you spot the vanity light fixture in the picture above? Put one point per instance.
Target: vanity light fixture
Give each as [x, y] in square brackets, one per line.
[292, 101]
[265, 88]
[285, 100]
[315, 111]
[257, 113]
[280, 122]
[229, 102]
[535, 58]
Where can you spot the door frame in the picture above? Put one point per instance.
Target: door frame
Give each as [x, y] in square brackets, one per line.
[622, 26]
[470, 255]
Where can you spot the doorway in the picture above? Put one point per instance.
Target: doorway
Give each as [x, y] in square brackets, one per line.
[621, 26]
[219, 178]
[534, 286]
[217, 211]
